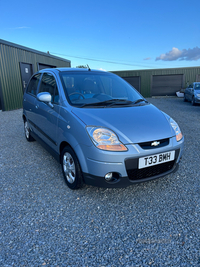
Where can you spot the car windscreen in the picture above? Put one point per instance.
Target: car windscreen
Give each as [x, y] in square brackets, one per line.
[197, 86]
[88, 89]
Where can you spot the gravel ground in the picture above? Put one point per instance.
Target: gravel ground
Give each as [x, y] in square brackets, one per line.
[42, 222]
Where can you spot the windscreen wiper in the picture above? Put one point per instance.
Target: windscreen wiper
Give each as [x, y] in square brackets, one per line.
[109, 102]
[140, 100]
[119, 102]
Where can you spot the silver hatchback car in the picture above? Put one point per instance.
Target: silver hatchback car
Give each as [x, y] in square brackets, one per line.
[192, 93]
[101, 130]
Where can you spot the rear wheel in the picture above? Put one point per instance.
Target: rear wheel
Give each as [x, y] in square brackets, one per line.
[184, 99]
[71, 169]
[193, 101]
[28, 136]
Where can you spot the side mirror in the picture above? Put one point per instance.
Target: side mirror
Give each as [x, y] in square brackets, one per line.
[44, 97]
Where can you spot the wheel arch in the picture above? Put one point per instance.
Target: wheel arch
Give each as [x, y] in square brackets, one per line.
[62, 146]
[79, 154]
[24, 117]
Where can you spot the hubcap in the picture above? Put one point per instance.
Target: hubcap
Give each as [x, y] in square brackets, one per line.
[69, 167]
[26, 128]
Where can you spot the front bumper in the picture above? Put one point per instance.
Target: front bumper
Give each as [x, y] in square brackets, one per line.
[124, 165]
[133, 177]
[197, 100]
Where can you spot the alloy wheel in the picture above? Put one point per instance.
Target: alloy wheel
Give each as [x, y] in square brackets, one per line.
[69, 167]
[26, 129]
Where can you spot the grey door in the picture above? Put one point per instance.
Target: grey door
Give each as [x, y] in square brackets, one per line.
[46, 117]
[26, 73]
[134, 81]
[29, 100]
[198, 78]
[163, 85]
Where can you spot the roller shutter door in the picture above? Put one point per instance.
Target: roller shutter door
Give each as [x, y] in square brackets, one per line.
[166, 84]
[134, 81]
[198, 78]
[44, 66]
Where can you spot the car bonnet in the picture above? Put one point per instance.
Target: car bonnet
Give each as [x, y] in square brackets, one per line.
[132, 124]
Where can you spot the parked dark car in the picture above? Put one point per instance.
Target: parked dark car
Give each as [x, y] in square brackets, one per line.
[101, 130]
[192, 93]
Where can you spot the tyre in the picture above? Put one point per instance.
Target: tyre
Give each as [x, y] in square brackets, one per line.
[71, 168]
[193, 101]
[27, 132]
[184, 99]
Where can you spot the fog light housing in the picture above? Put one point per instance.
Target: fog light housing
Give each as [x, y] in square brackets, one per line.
[108, 176]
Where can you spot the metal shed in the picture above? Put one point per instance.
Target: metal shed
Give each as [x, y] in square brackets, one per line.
[17, 64]
[160, 82]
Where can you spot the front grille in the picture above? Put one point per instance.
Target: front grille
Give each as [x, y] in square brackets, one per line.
[148, 145]
[138, 174]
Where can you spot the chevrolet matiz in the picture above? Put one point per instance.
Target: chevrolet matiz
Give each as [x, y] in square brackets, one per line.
[100, 129]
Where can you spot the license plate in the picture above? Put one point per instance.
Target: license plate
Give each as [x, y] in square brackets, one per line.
[156, 159]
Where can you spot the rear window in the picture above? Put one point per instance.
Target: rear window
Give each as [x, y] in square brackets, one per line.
[33, 84]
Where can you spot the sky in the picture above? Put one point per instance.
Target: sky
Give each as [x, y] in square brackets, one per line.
[108, 34]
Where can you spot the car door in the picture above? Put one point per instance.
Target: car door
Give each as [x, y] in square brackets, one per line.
[47, 113]
[29, 99]
[190, 92]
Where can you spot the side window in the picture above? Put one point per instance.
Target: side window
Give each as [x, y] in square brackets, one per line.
[56, 95]
[33, 84]
[49, 85]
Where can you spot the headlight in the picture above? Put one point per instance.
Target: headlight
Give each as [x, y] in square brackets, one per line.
[105, 139]
[177, 130]
[198, 95]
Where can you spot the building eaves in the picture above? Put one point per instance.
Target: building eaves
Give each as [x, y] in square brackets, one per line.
[31, 50]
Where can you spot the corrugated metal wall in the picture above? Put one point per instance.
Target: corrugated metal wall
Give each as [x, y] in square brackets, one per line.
[189, 75]
[10, 75]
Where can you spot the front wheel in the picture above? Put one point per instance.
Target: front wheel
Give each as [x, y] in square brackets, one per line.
[28, 136]
[71, 168]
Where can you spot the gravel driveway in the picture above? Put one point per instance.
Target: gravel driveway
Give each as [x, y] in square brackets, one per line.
[42, 222]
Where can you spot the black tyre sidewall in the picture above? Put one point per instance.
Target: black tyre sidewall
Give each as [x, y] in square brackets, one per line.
[78, 183]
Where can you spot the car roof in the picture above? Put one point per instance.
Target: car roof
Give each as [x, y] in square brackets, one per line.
[71, 69]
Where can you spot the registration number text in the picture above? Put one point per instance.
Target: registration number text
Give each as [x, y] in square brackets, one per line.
[156, 159]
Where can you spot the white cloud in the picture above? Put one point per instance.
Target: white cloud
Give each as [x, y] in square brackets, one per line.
[185, 54]
[147, 58]
[19, 28]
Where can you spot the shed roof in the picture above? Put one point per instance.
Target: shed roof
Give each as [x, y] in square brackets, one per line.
[31, 50]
